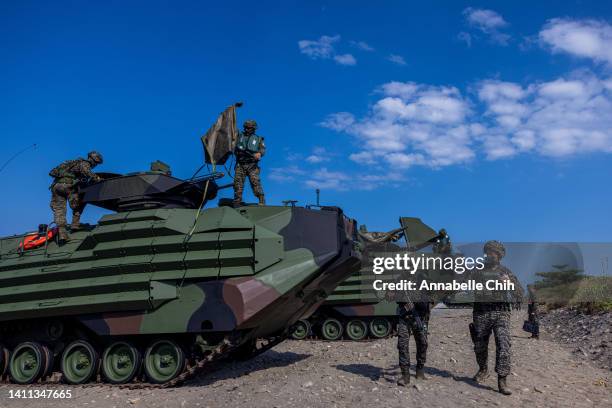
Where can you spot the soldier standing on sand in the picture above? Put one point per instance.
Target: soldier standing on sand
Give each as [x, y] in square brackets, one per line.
[66, 178]
[413, 310]
[532, 312]
[249, 150]
[492, 310]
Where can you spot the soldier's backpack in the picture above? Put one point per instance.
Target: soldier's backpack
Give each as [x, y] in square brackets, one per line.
[64, 170]
[249, 144]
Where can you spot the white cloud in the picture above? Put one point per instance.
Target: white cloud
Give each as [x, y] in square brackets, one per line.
[396, 59]
[341, 181]
[319, 155]
[562, 89]
[581, 38]
[415, 124]
[563, 117]
[286, 174]
[493, 89]
[338, 121]
[363, 157]
[345, 59]
[498, 147]
[404, 160]
[424, 104]
[324, 48]
[325, 179]
[411, 124]
[488, 22]
[402, 89]
[362, 45]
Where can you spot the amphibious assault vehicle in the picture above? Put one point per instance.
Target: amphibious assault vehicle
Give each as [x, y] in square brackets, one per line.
[159, 287]
[355, 310]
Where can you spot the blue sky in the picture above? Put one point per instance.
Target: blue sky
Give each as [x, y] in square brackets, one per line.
[492, 119]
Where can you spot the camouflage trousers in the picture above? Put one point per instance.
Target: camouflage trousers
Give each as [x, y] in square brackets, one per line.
[405, 326]
[498, 322]
[60, 194]
[532, 311]
[250, 170]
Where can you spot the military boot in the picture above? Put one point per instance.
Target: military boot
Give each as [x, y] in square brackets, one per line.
[262, 200]
[481, 375]
[420, 373]
[404, 380]
[62, 235]
[503, 387]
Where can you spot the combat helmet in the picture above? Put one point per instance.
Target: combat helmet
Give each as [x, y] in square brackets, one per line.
[95, 157]
[495, 246]
[249, 124]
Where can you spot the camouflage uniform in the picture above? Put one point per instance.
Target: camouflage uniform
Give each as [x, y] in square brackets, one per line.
[492, 315]
[247, 166]
[407, 323]
[65, 188]
[498, 322]
[413, 310]
[532, 312]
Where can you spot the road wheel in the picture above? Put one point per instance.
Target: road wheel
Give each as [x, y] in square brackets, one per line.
[380, 327]
[27, 363]
[120, 363]
[48, 360]
[80, 362]
[163, 360]
[301, 330]
[356, 329]
[5, 356]
[331, 329]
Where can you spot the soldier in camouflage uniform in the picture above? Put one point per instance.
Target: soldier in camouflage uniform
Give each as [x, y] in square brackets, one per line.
[413, 310]
[66, 178]
[532, 312]
[249, 150]
[492, 315]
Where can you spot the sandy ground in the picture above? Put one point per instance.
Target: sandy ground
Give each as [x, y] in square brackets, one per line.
[343, 374]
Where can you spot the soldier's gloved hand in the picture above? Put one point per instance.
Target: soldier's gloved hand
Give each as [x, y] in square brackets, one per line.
[257, 156]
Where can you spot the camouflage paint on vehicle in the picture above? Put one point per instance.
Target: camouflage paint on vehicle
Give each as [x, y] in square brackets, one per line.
[169, 271]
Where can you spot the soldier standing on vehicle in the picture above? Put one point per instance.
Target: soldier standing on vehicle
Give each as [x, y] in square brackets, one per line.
[249, 150]
[413, 310]
[492, 310]
[66, 179]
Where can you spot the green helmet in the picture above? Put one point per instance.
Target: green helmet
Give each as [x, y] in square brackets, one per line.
[95, 157]
[250, 124]
[495, 246]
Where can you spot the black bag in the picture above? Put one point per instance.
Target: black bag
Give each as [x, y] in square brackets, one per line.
[528, 327]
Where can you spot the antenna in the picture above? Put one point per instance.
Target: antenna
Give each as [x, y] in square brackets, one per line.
[318, 196]
[6, 163]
